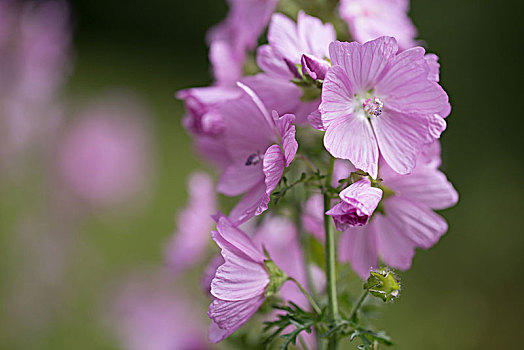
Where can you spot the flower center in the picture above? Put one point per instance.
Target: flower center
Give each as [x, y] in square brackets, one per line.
[373, 106]
[254, 159]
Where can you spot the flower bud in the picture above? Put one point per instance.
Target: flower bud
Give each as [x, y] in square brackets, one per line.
[383, 284]
[358, 202]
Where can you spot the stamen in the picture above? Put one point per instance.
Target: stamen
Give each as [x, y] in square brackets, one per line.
[373, 106]
[254, 159]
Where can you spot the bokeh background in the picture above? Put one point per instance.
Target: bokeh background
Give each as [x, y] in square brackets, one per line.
[464, 293]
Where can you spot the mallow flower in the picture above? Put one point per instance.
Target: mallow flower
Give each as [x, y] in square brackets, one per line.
[357, 204]
[191, 238]
[241, 283]
[259, 146]
[406, 219]
[292, 45]
[377, 101]
[370, 19]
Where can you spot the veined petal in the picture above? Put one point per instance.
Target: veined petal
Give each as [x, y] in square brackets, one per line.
[274, 163]
[358, 246]
[230, 316]
[239, 278]
[426, 185]
[251, 204]
[271, 64]
[337, 96]
[400, 138]
[287, 131]
[417, 222]
[352, 138]
[229, 237]
[314, 35]
[282, 36]
[406, 86]
[363, 64]
[394, 247]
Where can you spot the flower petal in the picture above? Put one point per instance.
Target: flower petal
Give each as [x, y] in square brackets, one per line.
[352, 138]
[365, 63]
[427, 186]
[287, 131]
[274, 163]
[337, 96]
[229, 316]
[400, 138]
[358, 246]
[406, 86]
[250, 204]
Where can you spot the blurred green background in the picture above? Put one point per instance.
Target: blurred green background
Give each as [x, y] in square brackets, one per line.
[464, 293]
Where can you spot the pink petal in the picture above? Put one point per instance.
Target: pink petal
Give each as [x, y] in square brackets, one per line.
[282, 36]
[314, 67]
[395, 249]
[238, 178]
[274, 163]
[240, 277]
[365, 63]
[229, 316]
[271, 64]
[414, 221]
[315, 120]
[358, 246]
[425, 185]
[314, 35]
[254, 202]
[406, 87]
[286, 129]
[352, 138]
[234, 237]
[337, 96]
[400, 138]
[193, 224]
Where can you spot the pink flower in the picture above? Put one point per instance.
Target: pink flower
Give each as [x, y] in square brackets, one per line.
[239, 286]
[291, 43]
[305, 42]
[375, 99]
[189, 243]
[202, 105]
[407, 220]
[370, 19]
[259, 147]
[358, 202]
[103, 156]
[238, 33]
[150, 314]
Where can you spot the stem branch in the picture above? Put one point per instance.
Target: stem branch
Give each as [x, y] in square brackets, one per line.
[308, 296]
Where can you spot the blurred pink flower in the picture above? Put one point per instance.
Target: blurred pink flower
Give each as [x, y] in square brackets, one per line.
[375, 99]
[358, 202]
[238, 288]
[259, 146]
[150, 314]
[238, 33]
[407, 220]
[35, 40]
[194, 223]
[370, 19]
[103, 156]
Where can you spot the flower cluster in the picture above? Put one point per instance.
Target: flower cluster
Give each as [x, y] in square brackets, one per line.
[342, 133]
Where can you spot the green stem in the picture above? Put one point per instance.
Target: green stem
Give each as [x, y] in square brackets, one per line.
[358, 304]
[308, 162]
[330, 255]
[308, 296]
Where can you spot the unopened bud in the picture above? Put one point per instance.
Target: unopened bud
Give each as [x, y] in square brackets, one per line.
[383, 284]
